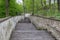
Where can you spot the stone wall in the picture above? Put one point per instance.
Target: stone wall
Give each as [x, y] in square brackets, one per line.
[52, 26]
[7, 26]
[3, 19]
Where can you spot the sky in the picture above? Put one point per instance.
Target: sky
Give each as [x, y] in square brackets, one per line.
[19, 1]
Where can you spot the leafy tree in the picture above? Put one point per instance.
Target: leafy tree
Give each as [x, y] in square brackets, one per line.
[2, 8]
[7, 7]
[10, 8]
[14, 8]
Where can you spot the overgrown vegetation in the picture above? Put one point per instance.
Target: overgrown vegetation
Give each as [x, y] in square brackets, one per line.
[14, 8]
[2, 8]
[47, 8]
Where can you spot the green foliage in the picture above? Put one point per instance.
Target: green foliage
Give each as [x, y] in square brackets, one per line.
[2, 8]
[14, 8]
[40, 8]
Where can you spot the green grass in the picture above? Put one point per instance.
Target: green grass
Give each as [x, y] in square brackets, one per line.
[39, 28]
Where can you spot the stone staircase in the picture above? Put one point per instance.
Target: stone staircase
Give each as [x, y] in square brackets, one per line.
[27, 31]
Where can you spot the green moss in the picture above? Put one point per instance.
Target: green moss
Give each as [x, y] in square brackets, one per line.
[39, 28]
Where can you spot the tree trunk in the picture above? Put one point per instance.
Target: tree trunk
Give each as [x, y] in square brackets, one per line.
[7, 7]
[41, 3]
[33, 7]
[24, 8]
[54, 5]
[49, 3]
[37, 7]
[58, 2]
[54, 2]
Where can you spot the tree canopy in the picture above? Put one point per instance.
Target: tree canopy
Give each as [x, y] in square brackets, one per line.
[14, 8]
[47, 8]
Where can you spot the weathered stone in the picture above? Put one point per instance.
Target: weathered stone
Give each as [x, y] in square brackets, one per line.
[7, 26]
[52, 26]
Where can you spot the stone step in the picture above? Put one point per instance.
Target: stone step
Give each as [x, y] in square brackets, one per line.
[30, 31]
[26, 31]
[25, 26]
[25, 20]
[31, 35]
[32, 39]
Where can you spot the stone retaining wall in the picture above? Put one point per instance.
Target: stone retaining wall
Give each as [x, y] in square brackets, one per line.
[7, 26]
[51, 25]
